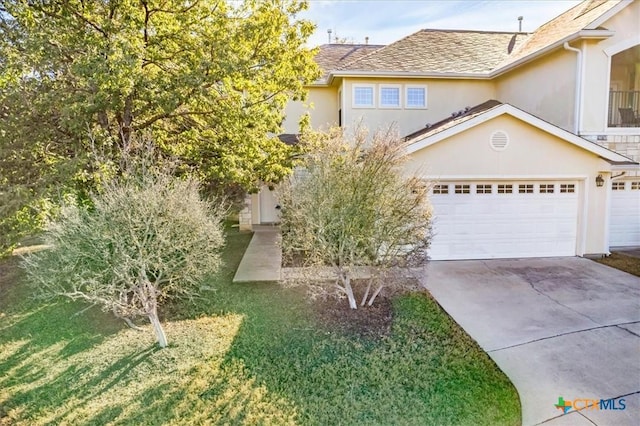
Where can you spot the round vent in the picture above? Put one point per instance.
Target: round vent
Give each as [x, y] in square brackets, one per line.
[499, 140]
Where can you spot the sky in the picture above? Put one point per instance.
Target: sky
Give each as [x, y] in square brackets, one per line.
[385, 21]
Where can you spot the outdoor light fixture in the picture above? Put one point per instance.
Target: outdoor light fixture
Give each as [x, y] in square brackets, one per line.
[599, 181]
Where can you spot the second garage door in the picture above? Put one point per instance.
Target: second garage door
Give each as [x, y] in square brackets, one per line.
[624, 229]
[486, 220]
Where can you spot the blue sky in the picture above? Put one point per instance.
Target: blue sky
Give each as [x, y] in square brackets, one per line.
[385, 21]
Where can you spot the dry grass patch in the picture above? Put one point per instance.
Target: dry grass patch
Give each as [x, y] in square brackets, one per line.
[623, 262]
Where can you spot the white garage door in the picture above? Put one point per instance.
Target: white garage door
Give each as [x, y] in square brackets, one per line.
[485, 220]
[624, 229]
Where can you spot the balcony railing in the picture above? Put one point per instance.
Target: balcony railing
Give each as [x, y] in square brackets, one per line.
[624, 108]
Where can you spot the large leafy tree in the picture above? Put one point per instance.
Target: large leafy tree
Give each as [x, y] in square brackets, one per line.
[206, 79]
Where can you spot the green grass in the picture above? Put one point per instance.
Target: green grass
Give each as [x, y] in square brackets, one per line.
[243, 354]
[623, 262]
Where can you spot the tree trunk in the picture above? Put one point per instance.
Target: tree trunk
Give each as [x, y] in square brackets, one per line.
[157, 327]
[366, 293]
[346, 280]
[374, 295]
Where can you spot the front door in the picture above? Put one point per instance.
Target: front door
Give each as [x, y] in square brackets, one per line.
[269, 208]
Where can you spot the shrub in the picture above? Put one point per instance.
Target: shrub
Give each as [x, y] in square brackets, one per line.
[141, 242]
[352, 207]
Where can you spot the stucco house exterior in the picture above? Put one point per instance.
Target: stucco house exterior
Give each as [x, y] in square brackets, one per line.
[532, 140]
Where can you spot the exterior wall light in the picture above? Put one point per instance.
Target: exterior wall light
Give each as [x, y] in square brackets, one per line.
[599, 181]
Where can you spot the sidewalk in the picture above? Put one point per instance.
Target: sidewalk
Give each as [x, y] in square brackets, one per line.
[263, 259]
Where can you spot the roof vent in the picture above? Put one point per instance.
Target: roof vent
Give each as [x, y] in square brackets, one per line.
[499, 140]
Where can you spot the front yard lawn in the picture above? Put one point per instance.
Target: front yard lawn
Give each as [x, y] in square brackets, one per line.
[243, 354]
[623, 262]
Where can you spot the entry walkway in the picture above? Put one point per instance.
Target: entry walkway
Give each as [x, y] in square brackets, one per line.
[263, 259]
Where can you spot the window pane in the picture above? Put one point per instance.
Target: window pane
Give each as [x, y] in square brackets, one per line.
[617, 186]
[441, 189]
[416, 97]
[363, 96]
[390, 96]
[505, 189]
[567, 188]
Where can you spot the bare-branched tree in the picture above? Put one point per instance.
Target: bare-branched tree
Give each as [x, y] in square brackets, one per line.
[143, 240]
[352, 208]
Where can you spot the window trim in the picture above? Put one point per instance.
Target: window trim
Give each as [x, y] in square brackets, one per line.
[504, 188]
[462, 188]
[484, 188]
[567, 188]
[406, 96]
[526, 188]
[440, 189]
[373, 96]
[547, 188]
[389, 86]
[619, 185]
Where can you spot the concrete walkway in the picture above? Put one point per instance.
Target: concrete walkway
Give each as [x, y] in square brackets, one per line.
[557, 327]
[263, 259]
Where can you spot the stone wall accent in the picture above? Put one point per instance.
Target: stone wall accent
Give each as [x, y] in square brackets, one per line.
[627, 145]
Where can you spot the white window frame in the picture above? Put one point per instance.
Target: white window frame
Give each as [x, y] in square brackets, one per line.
[406, 96]
[619, 185]
[373, 95]
[398, 87]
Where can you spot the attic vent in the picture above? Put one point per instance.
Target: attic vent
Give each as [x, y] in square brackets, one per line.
[499, 140]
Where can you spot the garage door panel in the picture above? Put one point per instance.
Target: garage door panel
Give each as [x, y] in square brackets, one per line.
[624, 228]
[504, 225]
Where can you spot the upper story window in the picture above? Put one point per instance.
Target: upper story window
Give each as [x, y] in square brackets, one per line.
[363, 96]
[390, 96]
[416, 96]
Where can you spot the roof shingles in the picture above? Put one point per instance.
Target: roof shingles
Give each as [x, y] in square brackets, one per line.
[441, 51]
[562, 26]
[331, 56]
[461, 52]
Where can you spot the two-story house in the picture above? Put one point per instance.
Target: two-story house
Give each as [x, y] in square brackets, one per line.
[531, 140]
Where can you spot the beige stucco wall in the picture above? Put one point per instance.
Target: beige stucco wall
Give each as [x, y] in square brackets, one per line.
[443, 98]
[532, 154]
[596, 90]
[544, 88]
[322, 105]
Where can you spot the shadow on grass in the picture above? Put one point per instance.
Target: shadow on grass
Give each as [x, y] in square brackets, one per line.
[245, 353]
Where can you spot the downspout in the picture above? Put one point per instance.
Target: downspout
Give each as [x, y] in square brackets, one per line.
[578, 106]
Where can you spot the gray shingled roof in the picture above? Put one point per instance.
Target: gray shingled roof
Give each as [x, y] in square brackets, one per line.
[562, 26]
[331, 56]
[442, 51]
[464, 52]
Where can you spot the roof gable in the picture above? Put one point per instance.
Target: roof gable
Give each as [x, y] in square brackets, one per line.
[492, 109]
[563, 26]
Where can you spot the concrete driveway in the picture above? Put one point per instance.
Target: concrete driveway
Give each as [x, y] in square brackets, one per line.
[557, 327]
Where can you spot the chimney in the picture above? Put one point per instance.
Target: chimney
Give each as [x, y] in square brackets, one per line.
[329, 34]
[519, 24]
